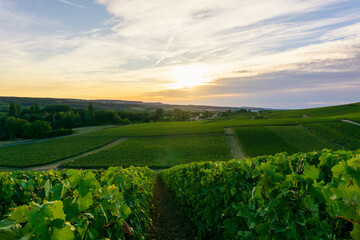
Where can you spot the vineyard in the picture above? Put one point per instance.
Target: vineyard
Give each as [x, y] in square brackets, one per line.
[300, 138]
[302, 196]
[74, 204]
[158, 152]
[268, 140]
[165, 129]
[38, 153]
[350, 129]
[338, 138]
[260, 140]
[280, 192]
[258, 137]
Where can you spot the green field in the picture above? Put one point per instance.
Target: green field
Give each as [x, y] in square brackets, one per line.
[332, 111]
[300, 138]
[347, 128]
[165, 129]
[312, 195]
[260, 140]
[38, 153]
[286, 131]
[268, 140]
[158, 152]
[338, 138]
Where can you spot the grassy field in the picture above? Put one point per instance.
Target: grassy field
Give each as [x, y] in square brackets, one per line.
[159, 152]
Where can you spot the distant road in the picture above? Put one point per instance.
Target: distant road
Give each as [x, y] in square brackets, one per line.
[348, 121]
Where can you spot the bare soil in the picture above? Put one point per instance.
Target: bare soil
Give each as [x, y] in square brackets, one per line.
[168, 223]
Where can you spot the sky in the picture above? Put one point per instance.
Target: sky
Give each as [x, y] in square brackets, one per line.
[274, 53]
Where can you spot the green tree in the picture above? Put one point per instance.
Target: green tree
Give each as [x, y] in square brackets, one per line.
[14, 110]
[34, 108]
[160, 113]
[57, 108]
[14, 127]
[91, 111]
[37, 129]
[145, 117]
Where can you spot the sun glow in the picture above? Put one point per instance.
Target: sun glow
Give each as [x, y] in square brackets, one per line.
[189, 76]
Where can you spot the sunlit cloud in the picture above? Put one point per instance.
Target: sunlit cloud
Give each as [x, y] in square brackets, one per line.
[202, 50]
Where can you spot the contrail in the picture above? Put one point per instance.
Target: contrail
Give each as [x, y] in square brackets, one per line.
[70, 3]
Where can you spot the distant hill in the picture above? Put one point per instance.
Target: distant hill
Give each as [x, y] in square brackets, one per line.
[108, 104]
[339, 111]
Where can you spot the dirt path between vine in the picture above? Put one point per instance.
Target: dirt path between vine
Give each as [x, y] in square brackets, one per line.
[168, 222]
[235, 147]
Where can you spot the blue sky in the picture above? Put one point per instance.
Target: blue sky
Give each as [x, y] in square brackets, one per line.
[276, 53]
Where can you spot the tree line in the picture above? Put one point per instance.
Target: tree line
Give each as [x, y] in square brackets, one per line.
[59, 119]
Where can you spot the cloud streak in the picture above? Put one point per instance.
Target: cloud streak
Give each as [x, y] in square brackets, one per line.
[248, 47]
[71, 3]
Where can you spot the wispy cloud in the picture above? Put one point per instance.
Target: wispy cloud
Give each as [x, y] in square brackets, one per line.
[71, 3]
[247, 46]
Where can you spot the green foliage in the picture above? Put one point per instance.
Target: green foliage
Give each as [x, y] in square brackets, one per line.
[158, 152]
[60, 132]
[107, 117]
[57, 108]
[73, 204]
[37, 129]
[159, 112]
[14, 110]
[91, 111]
[14, 127]
[303, 196]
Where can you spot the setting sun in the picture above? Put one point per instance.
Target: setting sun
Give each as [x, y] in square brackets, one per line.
[190, 76]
